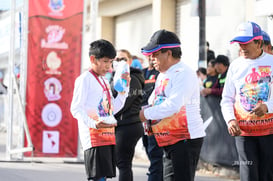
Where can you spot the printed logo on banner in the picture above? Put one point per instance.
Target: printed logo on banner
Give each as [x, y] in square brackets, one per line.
[51, 114]
[56, 7]
[52, 89]
[53, 62]
[55, 34]
[51, 141]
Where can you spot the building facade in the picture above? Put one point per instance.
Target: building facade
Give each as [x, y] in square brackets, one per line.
[129, 24]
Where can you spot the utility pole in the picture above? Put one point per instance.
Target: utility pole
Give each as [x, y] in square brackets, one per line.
[202, 33]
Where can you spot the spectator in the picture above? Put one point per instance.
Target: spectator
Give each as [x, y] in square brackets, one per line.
[92, 105]
[210, 53]
[247, 104]
[154, 152]
[221, 66]
[136, 63]
[129, 129]
[174, 107]
[202, 74]
[267, 47]
[211, 83]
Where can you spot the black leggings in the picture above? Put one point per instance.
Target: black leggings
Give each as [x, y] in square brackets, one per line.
[127, 137]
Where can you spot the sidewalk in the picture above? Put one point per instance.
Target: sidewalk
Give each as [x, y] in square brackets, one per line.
[55, 168]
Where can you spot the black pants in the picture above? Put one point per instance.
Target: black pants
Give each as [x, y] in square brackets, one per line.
[180, 160]
[127, 137]
[155, 155]
[255, 157]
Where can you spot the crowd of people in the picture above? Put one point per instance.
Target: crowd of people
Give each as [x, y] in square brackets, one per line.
[160, 104]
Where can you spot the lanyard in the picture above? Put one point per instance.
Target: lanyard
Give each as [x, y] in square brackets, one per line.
[103, 87]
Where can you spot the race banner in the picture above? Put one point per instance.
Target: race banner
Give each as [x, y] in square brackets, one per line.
[54, 62]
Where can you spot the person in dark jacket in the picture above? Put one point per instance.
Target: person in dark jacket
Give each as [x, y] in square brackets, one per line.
[153, 151]
[150, 75]
[129, 127]
[211, 84]
[221, 64]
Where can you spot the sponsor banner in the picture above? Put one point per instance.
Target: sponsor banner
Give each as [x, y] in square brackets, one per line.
[54, 61]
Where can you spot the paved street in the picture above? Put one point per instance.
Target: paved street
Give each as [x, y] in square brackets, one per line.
[56, 171]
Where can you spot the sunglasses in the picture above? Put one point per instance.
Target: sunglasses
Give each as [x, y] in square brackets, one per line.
[120, 59]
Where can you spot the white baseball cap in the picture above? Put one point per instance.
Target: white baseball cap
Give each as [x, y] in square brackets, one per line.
[247, 32]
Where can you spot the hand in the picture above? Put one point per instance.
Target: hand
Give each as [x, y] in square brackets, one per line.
[126, 76]
[205, 91]
[259, 110]
[233, 128]
[101, 124]
[141, 115]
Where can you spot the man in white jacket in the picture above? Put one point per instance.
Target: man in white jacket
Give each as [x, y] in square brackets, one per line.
[247, 104]
[174, 107]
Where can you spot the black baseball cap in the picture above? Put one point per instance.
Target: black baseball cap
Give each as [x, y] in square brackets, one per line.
[161, 39]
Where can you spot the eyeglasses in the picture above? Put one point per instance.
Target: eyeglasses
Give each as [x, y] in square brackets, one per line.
[120, 59]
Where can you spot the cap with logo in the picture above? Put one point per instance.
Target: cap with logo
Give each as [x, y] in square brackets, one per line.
[159, 40]
[247, 32]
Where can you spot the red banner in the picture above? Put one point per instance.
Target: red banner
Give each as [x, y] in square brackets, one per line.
[54, 61]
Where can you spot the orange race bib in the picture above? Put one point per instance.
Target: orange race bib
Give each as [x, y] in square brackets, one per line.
[170, 130]
[252, 125]
[102, 136]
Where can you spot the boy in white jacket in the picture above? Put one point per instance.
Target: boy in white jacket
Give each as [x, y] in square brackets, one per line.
[94, 106]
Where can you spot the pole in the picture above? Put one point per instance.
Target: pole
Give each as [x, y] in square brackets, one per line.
[202, 33]
[10, 87]
[23, 65]
[13, 89]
